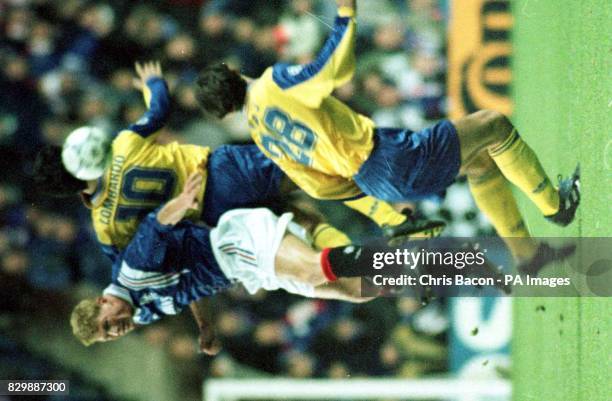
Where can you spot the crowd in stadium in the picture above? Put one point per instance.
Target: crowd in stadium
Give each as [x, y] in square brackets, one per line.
[70, 63]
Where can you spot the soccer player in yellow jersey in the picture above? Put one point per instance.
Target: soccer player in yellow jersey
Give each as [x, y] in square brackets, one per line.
[135, 175]
[332, 152]
[139, 174]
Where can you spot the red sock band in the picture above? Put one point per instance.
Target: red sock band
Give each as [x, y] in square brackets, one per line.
[326, 266]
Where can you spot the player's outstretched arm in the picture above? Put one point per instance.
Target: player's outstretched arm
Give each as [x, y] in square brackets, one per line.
[149, 80]
[174, 211]
[146, 71]
[334, 65]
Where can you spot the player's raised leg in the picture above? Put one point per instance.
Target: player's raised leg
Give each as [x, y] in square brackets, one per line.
[259, 249]
[491, 133]
[494, 198]
[296, 261]
[492, 153]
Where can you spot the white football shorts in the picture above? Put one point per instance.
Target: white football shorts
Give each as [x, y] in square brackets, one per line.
[245, 243]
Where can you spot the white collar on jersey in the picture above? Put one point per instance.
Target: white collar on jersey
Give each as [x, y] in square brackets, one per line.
[119, 292]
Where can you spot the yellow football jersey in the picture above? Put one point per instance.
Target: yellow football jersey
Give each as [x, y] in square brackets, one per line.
[317, 140]
[142, 174]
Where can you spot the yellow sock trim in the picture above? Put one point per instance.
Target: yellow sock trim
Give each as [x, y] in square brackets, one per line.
[520, 165]
[494, 198]
[378, 211]
[327, 236]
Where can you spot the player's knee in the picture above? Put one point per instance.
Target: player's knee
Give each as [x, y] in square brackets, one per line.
[482, 129]
[496, 126]
[480, 166]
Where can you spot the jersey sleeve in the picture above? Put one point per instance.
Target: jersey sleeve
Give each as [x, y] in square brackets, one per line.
[334, 65]
[147, 260]
[157, 99]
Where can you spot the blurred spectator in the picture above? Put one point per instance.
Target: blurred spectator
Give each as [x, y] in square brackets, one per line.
[299, 32]
[214, 37]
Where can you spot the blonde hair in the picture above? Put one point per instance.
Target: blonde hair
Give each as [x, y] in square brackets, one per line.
[84, 321]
